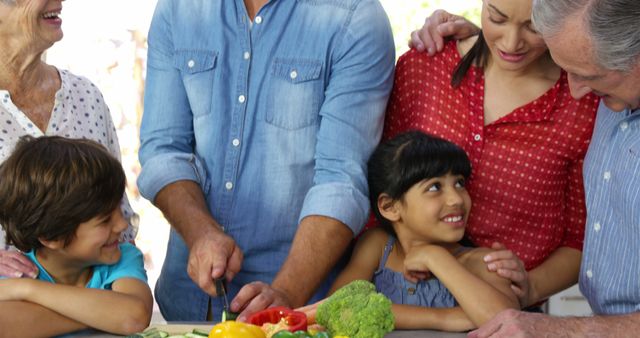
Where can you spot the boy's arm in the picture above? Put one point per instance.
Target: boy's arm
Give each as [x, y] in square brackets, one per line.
[364, 260]
[124, 310]
[410, 317]
[24, 319]
[480, 293]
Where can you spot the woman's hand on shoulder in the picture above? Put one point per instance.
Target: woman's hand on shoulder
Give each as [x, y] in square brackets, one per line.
[14, 264]
[508, 265]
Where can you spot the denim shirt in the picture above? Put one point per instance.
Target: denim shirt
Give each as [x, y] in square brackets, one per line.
[610, 269]
[274, 119]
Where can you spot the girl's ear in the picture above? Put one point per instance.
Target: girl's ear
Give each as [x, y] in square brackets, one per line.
[388, 208]
[52, 244]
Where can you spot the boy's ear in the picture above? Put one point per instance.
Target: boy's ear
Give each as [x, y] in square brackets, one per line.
[55, 244]
[388, 208]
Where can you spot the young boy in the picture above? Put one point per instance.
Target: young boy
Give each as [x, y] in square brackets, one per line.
[59, 203]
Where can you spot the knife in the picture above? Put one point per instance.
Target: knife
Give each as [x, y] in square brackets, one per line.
[221, 290]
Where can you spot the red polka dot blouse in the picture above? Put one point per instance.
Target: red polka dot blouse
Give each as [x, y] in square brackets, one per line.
[526, 183]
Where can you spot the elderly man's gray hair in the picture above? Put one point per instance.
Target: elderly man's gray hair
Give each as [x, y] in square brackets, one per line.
[611, 24]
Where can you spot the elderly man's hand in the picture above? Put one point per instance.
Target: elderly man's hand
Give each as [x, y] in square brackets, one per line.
[213, 255]
[14, 264]
[439, 26]
[516, 324]
[255, 297]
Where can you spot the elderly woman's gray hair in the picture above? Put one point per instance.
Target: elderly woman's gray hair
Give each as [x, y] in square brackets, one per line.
[612, 25]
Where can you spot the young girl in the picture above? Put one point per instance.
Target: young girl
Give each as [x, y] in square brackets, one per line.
[417, 189]
[60, 205]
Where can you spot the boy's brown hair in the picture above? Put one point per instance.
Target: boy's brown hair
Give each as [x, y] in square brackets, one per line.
[49, 185]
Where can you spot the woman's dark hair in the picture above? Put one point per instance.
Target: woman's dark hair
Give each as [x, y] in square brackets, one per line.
[411, 157]
[49, 185]
[478, 55]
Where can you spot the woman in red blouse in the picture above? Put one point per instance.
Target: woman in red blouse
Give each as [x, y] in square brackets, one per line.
[501, 98]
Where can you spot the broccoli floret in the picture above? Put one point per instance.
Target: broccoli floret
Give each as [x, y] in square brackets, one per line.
[357, 311]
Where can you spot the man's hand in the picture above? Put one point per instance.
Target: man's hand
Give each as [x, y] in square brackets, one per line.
[255, 297]
[516, 324]
[507, 265]
[211, 256]
[439, 26]
[14, 264]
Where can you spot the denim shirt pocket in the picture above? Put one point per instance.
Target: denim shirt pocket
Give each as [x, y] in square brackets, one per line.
[197, 68]
[295, 93]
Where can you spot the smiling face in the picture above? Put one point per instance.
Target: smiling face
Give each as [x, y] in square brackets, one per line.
[573, 50]
[509, 34]
[33, 22]
[96, 240]
[433, 210]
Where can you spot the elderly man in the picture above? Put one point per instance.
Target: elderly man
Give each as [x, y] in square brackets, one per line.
[598, 43]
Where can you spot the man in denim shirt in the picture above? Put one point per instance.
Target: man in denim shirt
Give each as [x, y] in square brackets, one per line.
[598, 43]
[259, 118]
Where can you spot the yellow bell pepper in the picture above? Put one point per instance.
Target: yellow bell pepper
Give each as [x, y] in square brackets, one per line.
[232, 329]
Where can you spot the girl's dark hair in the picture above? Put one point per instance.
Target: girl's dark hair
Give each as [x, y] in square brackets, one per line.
[49, 185]
[478, 55]
[399, 163]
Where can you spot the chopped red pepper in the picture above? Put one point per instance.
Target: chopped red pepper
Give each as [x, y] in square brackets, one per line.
[295, 320]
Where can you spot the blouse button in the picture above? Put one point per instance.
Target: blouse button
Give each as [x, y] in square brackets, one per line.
[477, 137]
[411, 291]
[293, 74]
[624, 126]
[607, 175]
[258, 20]
[228, 185]
[597, 226]
[589, 274]
[191, 63]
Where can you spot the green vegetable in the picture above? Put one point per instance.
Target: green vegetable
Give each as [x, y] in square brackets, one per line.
[321, 334]
[150, 333]
[199, 332]
[283, 334]
[357, 311]
[302, 334]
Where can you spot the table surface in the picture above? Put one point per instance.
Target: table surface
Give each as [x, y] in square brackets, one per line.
[177, 328]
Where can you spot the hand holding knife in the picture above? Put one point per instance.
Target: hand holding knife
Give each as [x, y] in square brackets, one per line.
[221, 291]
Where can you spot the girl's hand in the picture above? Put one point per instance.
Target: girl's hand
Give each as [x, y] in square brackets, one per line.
[416, 265]
[14, 264]
[507, 265]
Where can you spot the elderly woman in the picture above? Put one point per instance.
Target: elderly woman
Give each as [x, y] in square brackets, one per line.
[38, 99]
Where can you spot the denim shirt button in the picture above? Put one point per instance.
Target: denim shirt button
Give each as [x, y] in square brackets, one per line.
[246, 55]
[258, 20]
[191, 63]
[293, 74]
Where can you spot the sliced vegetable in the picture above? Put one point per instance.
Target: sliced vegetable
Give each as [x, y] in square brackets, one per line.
[295, 320]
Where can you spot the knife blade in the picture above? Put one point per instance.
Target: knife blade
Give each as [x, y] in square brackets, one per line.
[221, 290]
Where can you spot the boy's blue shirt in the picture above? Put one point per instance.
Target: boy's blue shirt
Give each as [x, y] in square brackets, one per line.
[130, 265]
